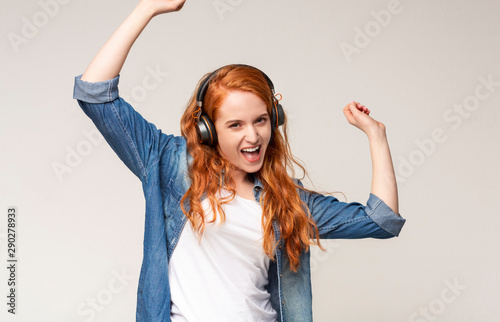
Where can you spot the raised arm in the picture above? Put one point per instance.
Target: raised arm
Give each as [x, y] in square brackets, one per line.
[137, 142]
[108, 62]
[383, 177]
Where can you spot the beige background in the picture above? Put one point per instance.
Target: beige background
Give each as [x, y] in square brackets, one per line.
[80, 229]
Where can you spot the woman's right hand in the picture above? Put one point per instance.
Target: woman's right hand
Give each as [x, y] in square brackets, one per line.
[158, 7]
[108, 62]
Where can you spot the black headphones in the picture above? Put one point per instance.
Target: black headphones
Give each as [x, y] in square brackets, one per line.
[205, 127]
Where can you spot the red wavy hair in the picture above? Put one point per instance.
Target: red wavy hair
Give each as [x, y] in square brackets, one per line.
[280, 199]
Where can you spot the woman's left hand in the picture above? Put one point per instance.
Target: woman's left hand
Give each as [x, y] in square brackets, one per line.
[384, 183]
[359, 116]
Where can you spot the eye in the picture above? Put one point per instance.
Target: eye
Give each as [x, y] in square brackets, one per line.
[261, 120]
[234, 125]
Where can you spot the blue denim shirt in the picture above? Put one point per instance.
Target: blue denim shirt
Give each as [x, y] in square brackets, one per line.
[161, 162]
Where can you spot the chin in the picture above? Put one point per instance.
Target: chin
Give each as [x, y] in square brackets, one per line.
[252, 169]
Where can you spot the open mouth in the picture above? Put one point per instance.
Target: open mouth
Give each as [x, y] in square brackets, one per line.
[251, 154]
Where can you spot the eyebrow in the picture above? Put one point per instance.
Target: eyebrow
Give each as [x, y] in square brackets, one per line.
[233, 121]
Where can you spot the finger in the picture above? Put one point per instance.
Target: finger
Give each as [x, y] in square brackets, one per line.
[355, 108]
[355, 114]
[362, 108]
[181, 5]
[348, 112]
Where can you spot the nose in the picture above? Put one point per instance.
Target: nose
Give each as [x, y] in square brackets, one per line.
[251, 134]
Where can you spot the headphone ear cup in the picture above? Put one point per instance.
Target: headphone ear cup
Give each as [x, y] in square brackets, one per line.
[206, 130]
[277, 116]
[281, 114]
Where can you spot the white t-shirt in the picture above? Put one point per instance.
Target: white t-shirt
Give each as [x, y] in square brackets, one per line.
[224, 277]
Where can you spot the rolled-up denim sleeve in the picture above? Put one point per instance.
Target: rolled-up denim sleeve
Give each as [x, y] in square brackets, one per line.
[336, 219]
[98, 92]
[137, 142]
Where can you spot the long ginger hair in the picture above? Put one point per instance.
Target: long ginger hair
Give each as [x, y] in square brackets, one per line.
[209, 170]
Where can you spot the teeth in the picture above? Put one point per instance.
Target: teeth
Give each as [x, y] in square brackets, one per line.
[251, 149]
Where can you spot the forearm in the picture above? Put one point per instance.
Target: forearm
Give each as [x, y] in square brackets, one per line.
[384, 183]
[108, 62]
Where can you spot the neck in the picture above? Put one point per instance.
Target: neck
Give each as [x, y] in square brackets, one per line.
[244, 185]
[242, 178]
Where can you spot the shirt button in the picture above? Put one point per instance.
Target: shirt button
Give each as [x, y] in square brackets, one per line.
[279, 246]
[283, 302]
[281, 275]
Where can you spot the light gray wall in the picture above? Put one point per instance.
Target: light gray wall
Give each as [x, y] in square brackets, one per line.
[421, 64]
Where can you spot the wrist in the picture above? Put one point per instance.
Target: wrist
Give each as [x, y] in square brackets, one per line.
[146, 9]
[376, 133]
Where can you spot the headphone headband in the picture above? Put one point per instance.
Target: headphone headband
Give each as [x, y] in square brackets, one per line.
[202, 90]
[205, 127]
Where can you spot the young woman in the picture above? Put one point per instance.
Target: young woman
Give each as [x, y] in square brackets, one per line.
[244, 256]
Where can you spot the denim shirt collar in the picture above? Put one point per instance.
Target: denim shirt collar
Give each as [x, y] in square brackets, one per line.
[258, 187]
[257, 183]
